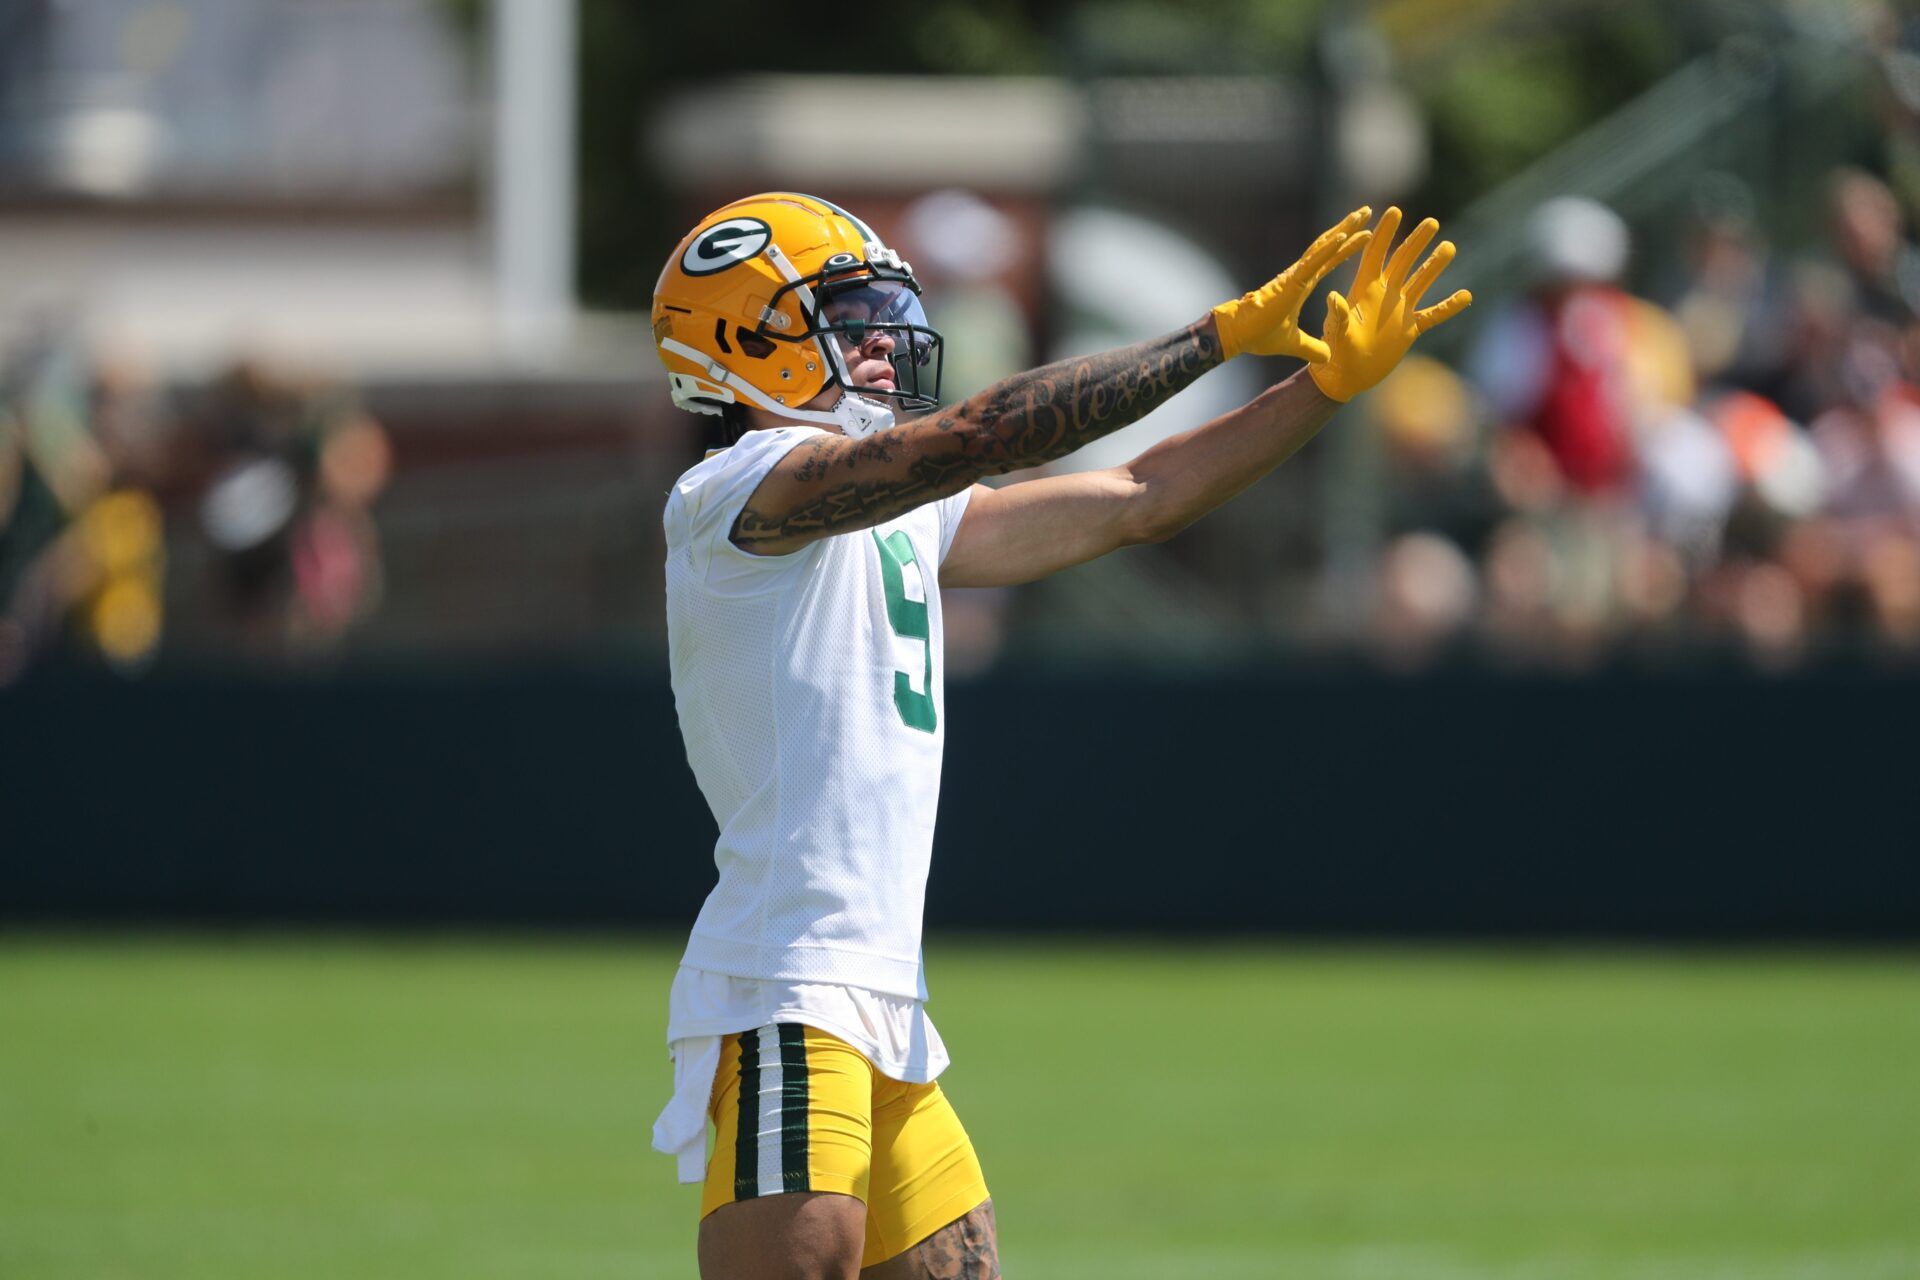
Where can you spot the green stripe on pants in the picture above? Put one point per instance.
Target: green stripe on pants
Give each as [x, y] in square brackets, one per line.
[746, 1142]
[793, 1108]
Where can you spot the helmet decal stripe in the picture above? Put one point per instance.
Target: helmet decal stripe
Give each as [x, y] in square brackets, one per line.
[866, 232]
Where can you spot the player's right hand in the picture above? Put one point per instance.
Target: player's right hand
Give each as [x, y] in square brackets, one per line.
[1266, 322]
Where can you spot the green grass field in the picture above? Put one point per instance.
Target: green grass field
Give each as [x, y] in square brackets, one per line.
[300, 1108]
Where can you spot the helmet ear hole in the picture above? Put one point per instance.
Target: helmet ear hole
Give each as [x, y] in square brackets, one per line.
[752, 344]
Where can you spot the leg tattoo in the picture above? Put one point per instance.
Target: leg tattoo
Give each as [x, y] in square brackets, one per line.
[964, 1250]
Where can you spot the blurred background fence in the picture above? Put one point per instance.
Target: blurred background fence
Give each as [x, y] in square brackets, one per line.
[332, 446]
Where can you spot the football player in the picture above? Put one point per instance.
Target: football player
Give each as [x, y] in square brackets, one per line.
[804, 567]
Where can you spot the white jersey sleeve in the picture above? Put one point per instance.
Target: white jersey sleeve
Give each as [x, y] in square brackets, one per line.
[951, 511]
[707, 500]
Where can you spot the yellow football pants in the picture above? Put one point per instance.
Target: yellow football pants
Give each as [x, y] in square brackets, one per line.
[797, 1109]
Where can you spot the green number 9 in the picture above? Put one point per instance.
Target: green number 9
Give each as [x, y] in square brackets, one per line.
[909, 619]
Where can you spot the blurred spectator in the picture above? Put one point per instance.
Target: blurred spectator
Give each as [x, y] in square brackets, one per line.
[1732, 303]
[1588, 385]
[1557, 364]
[1869, 239]
[280, 477]
[82, 552]
[292, 470]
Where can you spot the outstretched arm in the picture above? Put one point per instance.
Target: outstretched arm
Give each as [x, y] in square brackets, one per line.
[1028, 531]
[832, 484]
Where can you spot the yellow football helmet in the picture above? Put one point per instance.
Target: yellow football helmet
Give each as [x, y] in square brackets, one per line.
[763, 299]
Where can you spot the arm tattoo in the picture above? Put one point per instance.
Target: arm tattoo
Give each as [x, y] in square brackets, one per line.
[963, 1250]
[1024, 421]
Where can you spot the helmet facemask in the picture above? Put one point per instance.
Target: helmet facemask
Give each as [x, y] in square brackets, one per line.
[845, 304]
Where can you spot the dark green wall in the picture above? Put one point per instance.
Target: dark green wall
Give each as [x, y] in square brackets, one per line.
[1463, 803]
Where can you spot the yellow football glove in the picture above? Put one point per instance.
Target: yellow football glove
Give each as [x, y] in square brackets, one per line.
[1266, 322]
[1366, 337]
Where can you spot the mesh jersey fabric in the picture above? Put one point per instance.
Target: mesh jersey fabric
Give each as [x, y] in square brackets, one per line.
[809, 693]
[894, 1033]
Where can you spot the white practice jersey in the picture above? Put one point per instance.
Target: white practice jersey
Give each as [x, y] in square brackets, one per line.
[809, 693]
[894, 1033]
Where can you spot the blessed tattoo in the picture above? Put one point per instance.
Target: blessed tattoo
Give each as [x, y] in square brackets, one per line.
[1024, 421]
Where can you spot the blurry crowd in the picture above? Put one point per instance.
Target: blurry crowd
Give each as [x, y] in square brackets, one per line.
[1729, 455]
[1724, 456]
[236, 512]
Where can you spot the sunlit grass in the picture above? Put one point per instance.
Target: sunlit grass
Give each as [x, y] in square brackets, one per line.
[269, 1108]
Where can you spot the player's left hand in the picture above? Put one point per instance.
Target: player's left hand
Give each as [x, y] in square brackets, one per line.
[1266, 322]
[1367, 335]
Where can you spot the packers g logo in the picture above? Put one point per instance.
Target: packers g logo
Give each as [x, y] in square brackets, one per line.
[723, 244]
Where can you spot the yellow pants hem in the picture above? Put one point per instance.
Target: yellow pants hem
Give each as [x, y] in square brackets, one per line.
[952, 1209]
[838, 1184]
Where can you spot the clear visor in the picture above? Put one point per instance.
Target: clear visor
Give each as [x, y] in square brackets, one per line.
[858, 312]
